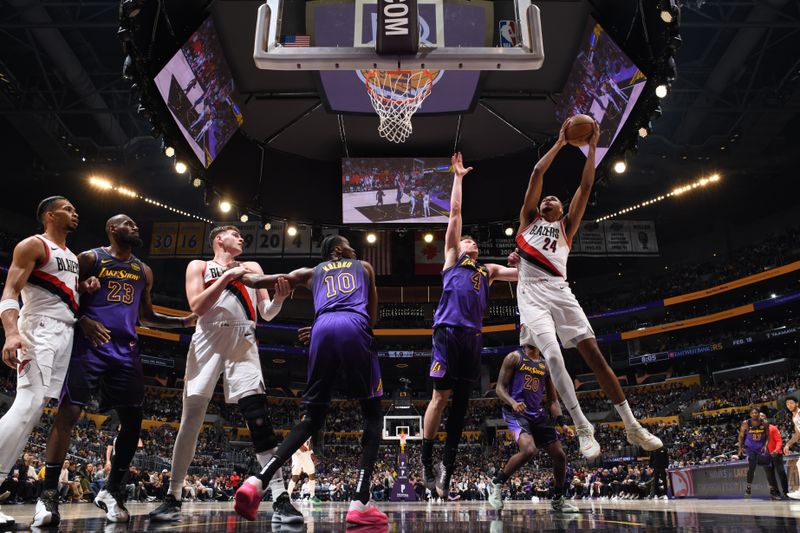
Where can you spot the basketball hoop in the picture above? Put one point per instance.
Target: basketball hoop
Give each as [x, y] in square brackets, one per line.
[396, 95]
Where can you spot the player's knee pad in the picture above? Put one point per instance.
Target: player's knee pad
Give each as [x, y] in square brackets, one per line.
[254, 411]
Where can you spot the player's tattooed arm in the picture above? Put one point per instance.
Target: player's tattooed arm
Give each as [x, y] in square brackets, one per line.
[452, 237]
[296, 278]
[148, 316]
[577, 206]
[27, 254]
[86, 283]
[504, 380]
[530, 206]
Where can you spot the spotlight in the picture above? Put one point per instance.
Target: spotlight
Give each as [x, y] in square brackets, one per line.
[428, 237]
[620, 166]
[662, 90]
[773, 295]
[714, 178]
[225, 206]
[644, 131]
[267, 226]
[371, 238]
[509, 231]
[291, 231]
[197, 182]
[180, 167]
[244, 218]
[100, 183]
[169, 151]
[668, 11]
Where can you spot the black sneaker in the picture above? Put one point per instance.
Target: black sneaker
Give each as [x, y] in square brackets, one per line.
[169, 511]
[429, 477]
[443, 480]
[47, 509]
[284, 512]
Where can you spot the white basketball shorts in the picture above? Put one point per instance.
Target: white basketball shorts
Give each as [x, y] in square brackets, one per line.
[548, 305]
[49, 349]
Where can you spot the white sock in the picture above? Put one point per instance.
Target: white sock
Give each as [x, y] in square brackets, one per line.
[312, 488]
[276, 483]
[548, 345]
[194, 411]
[626, 415]
[17, 424]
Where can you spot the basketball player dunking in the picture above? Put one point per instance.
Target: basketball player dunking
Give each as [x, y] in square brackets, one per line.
[39, 336]
[105, 359]
[793, 407]
[224, 343]
[457, 338]
[346, 305]
[547, 305]
[522, 382]
[303, 463]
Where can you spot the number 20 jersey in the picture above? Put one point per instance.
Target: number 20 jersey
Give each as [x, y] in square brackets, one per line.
[544, 249]
[116, 302]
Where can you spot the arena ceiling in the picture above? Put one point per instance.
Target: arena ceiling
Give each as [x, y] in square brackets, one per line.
[62, 99]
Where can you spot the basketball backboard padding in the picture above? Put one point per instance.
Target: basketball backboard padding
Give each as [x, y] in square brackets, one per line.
[269, 54]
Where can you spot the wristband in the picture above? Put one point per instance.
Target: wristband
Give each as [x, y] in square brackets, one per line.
[7, 304]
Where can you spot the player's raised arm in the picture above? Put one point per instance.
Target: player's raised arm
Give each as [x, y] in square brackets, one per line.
[269, 308]
[372, 305]
[504, 380]
[27, 254]
[453, 235]
[296, 278]
[530, 206]
[578, 204]
[148, 317]
[502, 273]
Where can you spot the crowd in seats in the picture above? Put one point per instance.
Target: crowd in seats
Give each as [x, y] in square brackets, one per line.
[748, 391]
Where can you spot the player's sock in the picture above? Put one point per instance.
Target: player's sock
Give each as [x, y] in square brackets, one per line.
[18, 422]
[130, 419]
[455, 424]
[296, 437]
[276, 484]
[370, 440]
[500, 478]
[626, 414]
[254, 411]
[194, 411]
[52, 471]
[548, 345]
[427, 452]
[312, 488]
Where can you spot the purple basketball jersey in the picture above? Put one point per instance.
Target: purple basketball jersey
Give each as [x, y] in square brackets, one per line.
[116, 303]
[527, 386]
[465, 294]
[341, 285]
[755, 436]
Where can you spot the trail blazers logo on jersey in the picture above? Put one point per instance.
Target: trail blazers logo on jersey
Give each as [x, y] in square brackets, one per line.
[66, 265]
[546, 231]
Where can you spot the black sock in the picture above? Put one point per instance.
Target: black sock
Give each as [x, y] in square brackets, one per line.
[313, 422]
[370, 441]
[427, 452]
[500, 478]
[52, 471]
[362, 487]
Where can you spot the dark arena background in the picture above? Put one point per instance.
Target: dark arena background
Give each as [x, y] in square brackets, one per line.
[189, 115]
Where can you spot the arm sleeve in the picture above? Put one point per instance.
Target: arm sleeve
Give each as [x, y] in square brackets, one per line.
[268, 309]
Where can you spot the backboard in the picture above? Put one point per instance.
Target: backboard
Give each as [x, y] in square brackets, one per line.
[515, 45]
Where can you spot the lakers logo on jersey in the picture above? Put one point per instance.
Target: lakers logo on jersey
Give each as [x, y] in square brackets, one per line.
[436, 366]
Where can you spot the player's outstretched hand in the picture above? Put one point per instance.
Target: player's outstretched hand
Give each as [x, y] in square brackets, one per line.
[12, 344]
[458, 165]
[282, 290]
[595, 138]
[96, 332]
[304, 335]
[514, 259]
[562, 134]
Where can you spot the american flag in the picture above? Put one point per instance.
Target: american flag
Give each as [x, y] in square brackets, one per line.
[379, 253]
[296, 41]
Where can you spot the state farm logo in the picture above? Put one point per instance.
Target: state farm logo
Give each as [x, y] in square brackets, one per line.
[682, 485]
[23, 367]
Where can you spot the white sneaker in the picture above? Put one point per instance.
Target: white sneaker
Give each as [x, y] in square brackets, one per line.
[113, 505]
[46, 513]
[496, 496]
[795, 495]
[590, 448]
[6, 520]
[560, 505]
[665, 497]
[639, 436]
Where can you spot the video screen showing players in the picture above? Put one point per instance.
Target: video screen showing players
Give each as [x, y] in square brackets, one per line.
[197, 86]
[604, 84]
[396, 190]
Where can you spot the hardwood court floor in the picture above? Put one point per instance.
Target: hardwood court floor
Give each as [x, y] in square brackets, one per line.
[467, 517]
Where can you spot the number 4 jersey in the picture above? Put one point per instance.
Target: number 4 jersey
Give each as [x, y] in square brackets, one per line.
[544, 249]
[116, 303]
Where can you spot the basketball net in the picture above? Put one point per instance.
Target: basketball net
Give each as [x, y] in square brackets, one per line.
[403, 438]
[396, 95]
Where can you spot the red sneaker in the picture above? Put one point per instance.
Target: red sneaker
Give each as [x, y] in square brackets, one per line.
[365, 515]
[248, 497]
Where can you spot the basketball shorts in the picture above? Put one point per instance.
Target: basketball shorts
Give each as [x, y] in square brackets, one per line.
[228, 349]
[302, 463]
[548, 305]
[113, 370]
[456, 356]
[541, 429]
[49, 348]
[341, 354]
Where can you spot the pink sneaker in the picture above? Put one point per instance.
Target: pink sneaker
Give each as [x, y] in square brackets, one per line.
[365, 515]
[248, 497]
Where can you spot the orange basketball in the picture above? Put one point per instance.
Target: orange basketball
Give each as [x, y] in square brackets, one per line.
[579, 130]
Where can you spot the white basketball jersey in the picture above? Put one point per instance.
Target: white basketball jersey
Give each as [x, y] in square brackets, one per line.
[52, 287]
[300, 454]
[544, 249]
[796, 420]
[236, 303]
